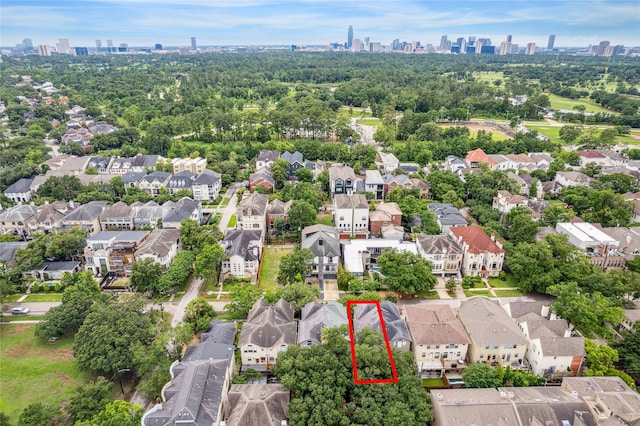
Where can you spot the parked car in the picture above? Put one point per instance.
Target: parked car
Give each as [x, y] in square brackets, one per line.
[21, 310]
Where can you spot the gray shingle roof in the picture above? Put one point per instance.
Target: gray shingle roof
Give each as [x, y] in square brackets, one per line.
[355, 201]
[119, 209]
[262, 174]
[182, 210]
[268, 326]
[86, 212]
[220, 332]
[487, 323]
[366, 315]
[207, 177]
[18, 213]
[278, 207]
[253, 205]
[241, 242]
[21, 186]
[257, 404]
[317, 316]
[435, 324]
[133, 177]
[159, 176]
[159, 242]
[8, 249]
[322, 243]
[181, 180]
[268, 155]
[340, 171]
[437, 244]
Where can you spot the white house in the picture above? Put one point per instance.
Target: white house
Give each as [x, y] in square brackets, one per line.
[20, 191]
[162, 245]
[374, 184]
[387, 162]
[251, 213]
[243, 249]
[442, 251]
[206, 186]
[351, 215]
[482, 255]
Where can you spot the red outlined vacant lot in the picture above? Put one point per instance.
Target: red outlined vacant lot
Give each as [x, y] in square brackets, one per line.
[352, 339]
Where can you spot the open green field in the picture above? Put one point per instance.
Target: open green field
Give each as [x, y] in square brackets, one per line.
[33, 371]
[353, 112]
[44, 297]
[270, 266]
[552, 132]
[495, 135]
[370, 122]
[488, 76]
[558, 102]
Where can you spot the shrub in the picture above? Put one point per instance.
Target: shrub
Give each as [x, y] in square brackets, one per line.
[35, 288]
[502, 276]
[57, 287]
[44, 287]
[391, 298]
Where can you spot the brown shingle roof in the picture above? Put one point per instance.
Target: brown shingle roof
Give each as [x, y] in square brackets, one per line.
[477, 240]
[479, 156]
[434, 324]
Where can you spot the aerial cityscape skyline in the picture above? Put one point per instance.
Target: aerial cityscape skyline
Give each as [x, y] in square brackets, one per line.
[261, 22]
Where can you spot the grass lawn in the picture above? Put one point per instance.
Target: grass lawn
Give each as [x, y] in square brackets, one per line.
[514, 292]
[44, 297]
[21, 318]
[558, 102]
[11, 298]
[495, 135]
[325, 219]
[551, 132]
[431, 294]
[432, 382]
[353, 112]
[33, 371]
[270, 266]
[232, 221]
[370, 122]
[472, 293]
[497, 283]
[488, 76]
[224, 202]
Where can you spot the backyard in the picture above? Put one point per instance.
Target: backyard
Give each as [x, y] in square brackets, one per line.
[33, 371]
[271, 265]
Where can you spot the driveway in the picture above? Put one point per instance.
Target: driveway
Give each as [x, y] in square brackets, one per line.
[230, 209]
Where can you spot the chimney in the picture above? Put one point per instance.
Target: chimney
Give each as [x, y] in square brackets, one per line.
[544, 312]
[71, 204]
[493, 237]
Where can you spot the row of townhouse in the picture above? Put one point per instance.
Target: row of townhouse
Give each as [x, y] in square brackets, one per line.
[521, 335]
[25, 220]
[343, 180]
[262, 177]
[200, 391]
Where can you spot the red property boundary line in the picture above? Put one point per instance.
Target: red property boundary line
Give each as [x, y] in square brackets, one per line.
[353, 344]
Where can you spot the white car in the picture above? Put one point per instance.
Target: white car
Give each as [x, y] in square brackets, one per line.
[20, 311]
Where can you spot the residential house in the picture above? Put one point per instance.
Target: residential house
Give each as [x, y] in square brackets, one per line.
[101, 164]
[112, 251]
[266, 158]
[152, 182]
[477, 156]
[367, 315]
[552, 351]
[351, 215]
[120, 166]
[257, 404]
[453, 164]
[541, 159]
[593, 156]
[635, 198]
[537, 208]
[482, 255]
[277, 210]
[117, 217]
[181, 181]
[615, 159]
[68, 164]
[251, 213]
[13, 220]
[149, 214]
[295, 160]
[194, 165]
[447, 216]
[440, 342]
[565, 179]
[262, 178]
[410, 168]
[315, 317]
[387, 162]
[53, 270]
[424, 187]
[629, 239]
[185, 208]
[206, 186]
[49, 217]
[374, 184]
[525, 183]
[145, 163]
[8, 252]
[162, 246]
[521, 161]
[398, 181]
[359, 256]
[20, 191]
[132, 179]
[501, 162]
[504, 202]
[243, 250]
[325, 247]
[267, 332]
[391, 231]
[342, 179]
[197, 391]
[631, 317]
[85, 216]
[495, 338]
[579, 401]
[318, 227]
[600, 247]
[442, 251]
[384, 214]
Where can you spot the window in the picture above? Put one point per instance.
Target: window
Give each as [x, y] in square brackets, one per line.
[452, 346]
[256, 225]
[437, 355]
[424, 354]
[491, 347]
[510, 346]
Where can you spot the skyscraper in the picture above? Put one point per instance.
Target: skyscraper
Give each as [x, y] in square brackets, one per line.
[44, 50]
[443, 43]
[193, 43]
[110, 46]
[158, 46]
[98, 45]
[550, 43]
[28, 44]
[531, 49]
[62, 46]
[509, 38]
[350, 37]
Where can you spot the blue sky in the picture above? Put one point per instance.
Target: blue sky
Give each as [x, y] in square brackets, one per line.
[213, 22]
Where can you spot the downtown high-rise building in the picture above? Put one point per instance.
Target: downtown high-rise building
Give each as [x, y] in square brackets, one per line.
[63, 46]
[28, 44]
[193, 44]
[98, 45]
[531, 49]
[350, 37]
[44, 50]
[509, 38]
[551, 42]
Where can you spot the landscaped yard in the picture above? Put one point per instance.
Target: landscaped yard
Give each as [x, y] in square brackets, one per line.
[431, 294]
[325, 219]
[11, 298]
[472, 293]
[44, 297]
[514, 292]
[432, 382]
[33, 371]
[498, 283]
[10, 318]
[232, 221]
[224, 202]
[270, 266]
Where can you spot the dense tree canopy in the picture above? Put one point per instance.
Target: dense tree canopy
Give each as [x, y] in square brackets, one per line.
[406, 272]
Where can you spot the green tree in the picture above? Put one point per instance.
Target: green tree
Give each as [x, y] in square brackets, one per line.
[406, 272]
[301, 214]
[480, 376]
[629, 350]
[199, 313]
[304, 175]
[298, 294]
[116, 413]
[209, 260]
[88, 400]
[39, 414]
[242, 299]
[145, 274]
[533, 266]
[519, 226]
[295, 266]
[102, 345]
[279, 170]
[177, 273]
